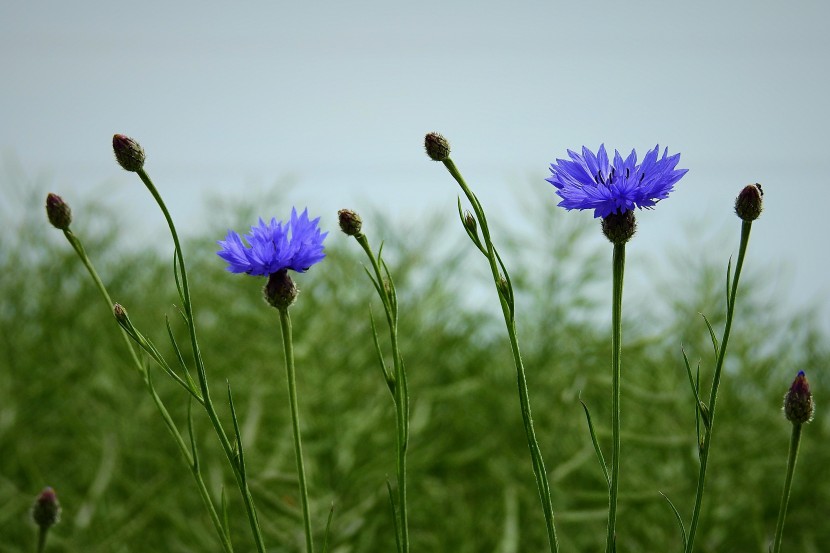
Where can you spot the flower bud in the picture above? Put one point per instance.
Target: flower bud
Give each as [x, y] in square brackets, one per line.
[46, 512]
[280, 291]
[619, 227]
[58, 212]
[120, 313]
[438, 149]
[470, 223]
[350, 222]
[798, 402]
[128, 153]
[749, 203]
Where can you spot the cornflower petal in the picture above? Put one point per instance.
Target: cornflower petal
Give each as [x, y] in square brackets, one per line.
[588, 181]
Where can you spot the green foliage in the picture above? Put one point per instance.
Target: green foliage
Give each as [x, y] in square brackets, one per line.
[75, 415]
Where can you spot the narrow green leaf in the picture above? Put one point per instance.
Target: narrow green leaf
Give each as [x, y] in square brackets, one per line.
[394, 517]
[729, 284]
[711, 335]
[193, 450]
[191, 385]
[388, 376]
[597, 449]
[679, 518]
[328, 529]
[240, 460]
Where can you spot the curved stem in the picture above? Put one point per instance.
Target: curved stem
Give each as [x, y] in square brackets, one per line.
[241, 482]
[795, 440]
[616, 353]
[400, 396]
[165, 415]
[539, 470]
[707, 439]
[288, 346]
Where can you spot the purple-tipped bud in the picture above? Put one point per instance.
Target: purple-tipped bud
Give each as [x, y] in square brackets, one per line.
[798, 403]
[350, 222]
[46, 512]
[438, 149]
[128, 153]
[470, 223]
[58, 212]
[280, 291]
[749, 203]
[619, 227]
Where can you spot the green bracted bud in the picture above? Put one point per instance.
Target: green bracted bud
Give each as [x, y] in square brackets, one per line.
[749, 203]
[58, 212]
[46, 512]
[437, 147]
[798, 402]
[350, 222]
[619, 227]
[128, 153]
[470, 223]
[280, 291]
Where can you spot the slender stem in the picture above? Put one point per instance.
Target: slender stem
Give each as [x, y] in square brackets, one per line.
[616, 353]
[400, 396]
[795, 440]
[539, 470]
[288, 346]
[42, 531]
[168, 420]
[241, 482]
[707, 439]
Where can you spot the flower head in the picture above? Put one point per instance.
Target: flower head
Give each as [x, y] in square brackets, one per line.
[274, 246]
[798, 402]
[46, 511]
[589, 181]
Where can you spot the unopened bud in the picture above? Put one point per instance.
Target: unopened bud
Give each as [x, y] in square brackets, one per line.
[120, 313]
[280, 291]
[438, 149]
[58, 212]
[798, 402]
[46, 512]
[470, 223]
[350, 222]
[619, 227]
[128, 153]
[749, 203]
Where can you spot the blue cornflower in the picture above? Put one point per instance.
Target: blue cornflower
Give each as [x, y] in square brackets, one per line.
[591, 181]
[296, 245]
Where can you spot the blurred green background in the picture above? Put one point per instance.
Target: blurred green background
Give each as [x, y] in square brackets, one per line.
[74, 415]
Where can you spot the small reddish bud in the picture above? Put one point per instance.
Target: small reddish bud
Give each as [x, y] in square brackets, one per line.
[46, 512]
[128, 153]
[798, 403]
[58, 212]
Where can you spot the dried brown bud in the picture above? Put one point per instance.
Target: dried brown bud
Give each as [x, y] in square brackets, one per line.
[350, 222]
[749, 203]
[438, 149]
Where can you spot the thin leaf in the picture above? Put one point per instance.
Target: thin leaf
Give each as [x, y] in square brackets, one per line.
[193, 450]
[328, 529]
[711, 334]
[240, 461]
[177, 276]
[694, 390]
[394, 517]
[193, 389]
[597, 449]
[729, 284]
[679, 518]
[390, 378]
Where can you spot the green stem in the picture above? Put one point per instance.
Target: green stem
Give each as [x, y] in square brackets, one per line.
[241, 481]
[616, 354]
[168, 420]
[288, 346]
[707, 439]
[539, 470]
[42, 531]
[400, 396]
[795, 440]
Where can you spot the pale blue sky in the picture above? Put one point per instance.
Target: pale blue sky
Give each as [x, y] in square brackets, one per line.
[231, 97]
